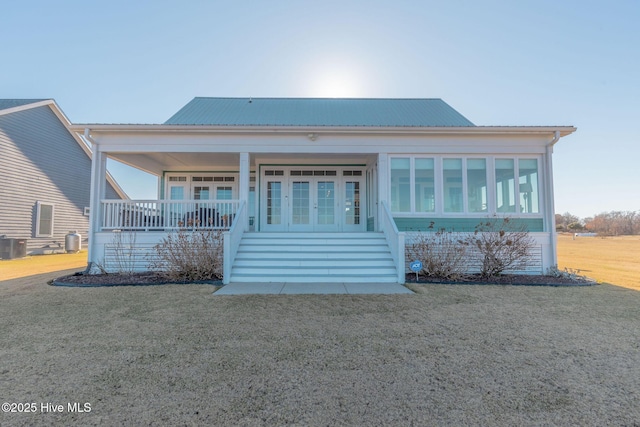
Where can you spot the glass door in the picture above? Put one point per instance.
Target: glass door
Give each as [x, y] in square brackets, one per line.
[274, 201]
[324, 207]
[313, 204]
[353, 213]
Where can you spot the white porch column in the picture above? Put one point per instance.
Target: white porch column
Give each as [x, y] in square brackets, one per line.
[383, 184]
[98, 191]
[243, 190]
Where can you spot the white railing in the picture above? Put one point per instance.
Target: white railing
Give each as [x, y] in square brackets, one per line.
[232, 240]
[156, 215]
[395, 239]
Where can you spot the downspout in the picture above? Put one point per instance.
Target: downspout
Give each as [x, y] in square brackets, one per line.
[551, 210]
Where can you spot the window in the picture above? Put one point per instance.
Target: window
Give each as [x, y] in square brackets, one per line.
[400, 185]
[529, 193]
[505, 185]
[424, 185]
[452, 180]
[464, 185]
[477, 185]
[44, 219]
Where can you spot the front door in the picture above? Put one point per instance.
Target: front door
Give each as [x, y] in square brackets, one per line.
[311, 200]
[313, 204]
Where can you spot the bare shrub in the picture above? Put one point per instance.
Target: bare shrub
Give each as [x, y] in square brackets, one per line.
[187, 255]
[502, 246]
[443, 254]
[125, 253]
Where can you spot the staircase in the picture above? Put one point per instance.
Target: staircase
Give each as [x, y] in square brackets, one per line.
[314, 258]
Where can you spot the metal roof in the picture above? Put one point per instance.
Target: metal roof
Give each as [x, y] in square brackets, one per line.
[12, 103]
[366, 112]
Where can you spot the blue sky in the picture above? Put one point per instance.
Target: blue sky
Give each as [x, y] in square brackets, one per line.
[498, 62]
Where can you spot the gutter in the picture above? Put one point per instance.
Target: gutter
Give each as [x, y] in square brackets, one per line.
[551, 210]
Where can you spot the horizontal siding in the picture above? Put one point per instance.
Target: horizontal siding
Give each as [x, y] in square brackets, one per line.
[460, 224]
[473, 259]
[128, 258]
[41, 161]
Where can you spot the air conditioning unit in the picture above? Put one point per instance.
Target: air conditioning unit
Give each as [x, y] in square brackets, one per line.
[13, 248]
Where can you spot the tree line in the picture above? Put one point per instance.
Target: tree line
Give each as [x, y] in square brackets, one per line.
[614, 223]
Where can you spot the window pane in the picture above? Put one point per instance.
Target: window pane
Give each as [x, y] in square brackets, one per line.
[452, 180]
[176, 193]
[274, 202]
[326, 202]
[45, 226]
[201, 193]
[477, 185]
[425, 195]
[400, 185]
[505, 185]
[224, 193]
[529, 193]
[300, 203]
[352, 203]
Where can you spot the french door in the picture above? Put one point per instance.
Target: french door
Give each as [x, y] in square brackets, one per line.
[311, 203]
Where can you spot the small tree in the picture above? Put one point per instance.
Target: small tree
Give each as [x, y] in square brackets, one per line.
[502, 246]
[186, 255]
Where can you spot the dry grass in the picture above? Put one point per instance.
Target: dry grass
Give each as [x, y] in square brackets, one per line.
[38, 264]
[449, 355]
[614, 260]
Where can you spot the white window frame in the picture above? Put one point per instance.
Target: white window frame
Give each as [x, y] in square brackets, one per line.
[39, 206]
[491, 184]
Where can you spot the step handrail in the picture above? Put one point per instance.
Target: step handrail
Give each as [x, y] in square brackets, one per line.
[395, 239]
[231, 241]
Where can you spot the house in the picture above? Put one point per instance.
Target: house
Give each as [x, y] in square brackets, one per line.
[45, 176]
[322, 190]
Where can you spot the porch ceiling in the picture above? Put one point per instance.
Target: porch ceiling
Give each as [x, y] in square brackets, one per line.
[157, 163]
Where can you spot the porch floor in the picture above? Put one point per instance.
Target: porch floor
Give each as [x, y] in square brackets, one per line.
[312, 288]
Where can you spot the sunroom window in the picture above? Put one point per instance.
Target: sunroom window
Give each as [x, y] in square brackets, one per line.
[424, 188]
[529, 193]
[400, 185]
[477, 185]
[505, 185]
[452, 180]
[472, 185]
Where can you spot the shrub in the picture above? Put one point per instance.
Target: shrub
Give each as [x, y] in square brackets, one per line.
[186, 255]
[443, 254]
[502, 246]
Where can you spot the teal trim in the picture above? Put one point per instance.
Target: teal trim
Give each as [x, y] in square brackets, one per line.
[370, 224]
[460, 224]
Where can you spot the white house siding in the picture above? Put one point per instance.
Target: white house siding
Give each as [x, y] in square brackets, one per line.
[41, 162]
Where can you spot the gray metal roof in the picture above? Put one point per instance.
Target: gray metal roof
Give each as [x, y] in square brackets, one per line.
[366, 112]
[12, 103]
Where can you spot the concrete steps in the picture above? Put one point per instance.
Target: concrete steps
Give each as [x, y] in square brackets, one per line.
[313, 258]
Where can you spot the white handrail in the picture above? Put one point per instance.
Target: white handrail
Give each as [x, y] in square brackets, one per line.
[395, 239]
[167, 214]
[231, 241]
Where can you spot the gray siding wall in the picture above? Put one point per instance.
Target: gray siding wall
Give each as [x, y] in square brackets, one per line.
[40, 161]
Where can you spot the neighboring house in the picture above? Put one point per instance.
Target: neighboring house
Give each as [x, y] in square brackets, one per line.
[322, 190]
[45, 176]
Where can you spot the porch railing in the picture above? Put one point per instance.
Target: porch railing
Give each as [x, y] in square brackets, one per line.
[395, 239]
[150, 215]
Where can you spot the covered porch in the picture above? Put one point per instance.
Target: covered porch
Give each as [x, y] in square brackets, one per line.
[239, 193]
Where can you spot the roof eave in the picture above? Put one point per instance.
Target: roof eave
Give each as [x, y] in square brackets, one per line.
[483, 130]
